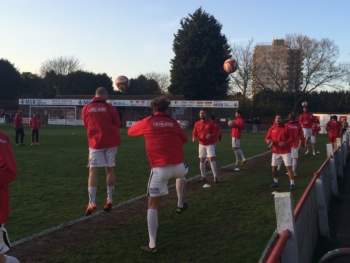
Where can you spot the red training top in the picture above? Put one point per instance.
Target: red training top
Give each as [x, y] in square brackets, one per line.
[18, 121]
[8, 173]
[237, 128]
[315, 128]
[164, 139]
[334, 128]
[279, 134]
[296, 133]
[217, 131]
[102, 124]
[35, 123]
[201, 129]
[305, 120]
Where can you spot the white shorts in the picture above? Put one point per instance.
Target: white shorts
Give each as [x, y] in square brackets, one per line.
[102, 157]
[294, 153]
[313, 139]
[277, 159]
[4, 240]
[236, 142]
[307, 132]
[206, 150]
[159, 177]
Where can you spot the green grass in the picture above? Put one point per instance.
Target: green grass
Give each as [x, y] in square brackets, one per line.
[228, 223]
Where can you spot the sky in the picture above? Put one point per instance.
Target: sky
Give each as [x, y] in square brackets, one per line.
[133, 37]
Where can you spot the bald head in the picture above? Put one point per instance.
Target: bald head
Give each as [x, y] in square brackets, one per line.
[101, 92]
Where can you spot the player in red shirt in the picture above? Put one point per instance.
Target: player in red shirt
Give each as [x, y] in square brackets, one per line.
[280, 139]
[315, 130]
[296, 133]
[164, 146]
[8, 173]
[18, 124]
[205, 131]
[102, 124]
[305, 120]
[35, 124]
[218, 135]
[236, 129]
[334, 130]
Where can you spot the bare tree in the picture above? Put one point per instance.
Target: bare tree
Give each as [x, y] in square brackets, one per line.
[319, 68]
[61, 65]
[241, 80]
[163, 80]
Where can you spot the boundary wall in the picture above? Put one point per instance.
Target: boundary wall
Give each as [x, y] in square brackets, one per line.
[298, 230]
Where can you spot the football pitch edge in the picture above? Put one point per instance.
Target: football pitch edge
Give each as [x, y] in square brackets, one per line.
[95, 214]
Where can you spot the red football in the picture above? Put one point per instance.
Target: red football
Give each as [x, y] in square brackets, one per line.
[230, 65]
[122, 83]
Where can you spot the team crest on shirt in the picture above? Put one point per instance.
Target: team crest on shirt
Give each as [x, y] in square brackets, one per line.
[3, 141]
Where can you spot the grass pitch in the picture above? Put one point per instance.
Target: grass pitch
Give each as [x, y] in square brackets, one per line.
[229, 223]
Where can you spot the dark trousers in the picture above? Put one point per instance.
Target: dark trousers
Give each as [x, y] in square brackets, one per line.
[19, 134]
[35, 135]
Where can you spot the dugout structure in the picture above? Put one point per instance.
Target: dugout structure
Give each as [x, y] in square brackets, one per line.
[69, 111]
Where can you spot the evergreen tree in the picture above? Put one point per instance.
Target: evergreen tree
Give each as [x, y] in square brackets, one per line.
[10, 80]
[200, 51]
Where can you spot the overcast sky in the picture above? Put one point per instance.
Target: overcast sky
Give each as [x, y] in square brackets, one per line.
[133, 37]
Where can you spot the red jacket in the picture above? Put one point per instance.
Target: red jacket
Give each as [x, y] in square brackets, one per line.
[35, 123]
[334, 128]
[218, 133]
[8, 173]
[18, 121]
[296, 133]
[102, 124]
[164, 139]
[237, 128]
[201, 129]
[305, 120]
[315, 128]
[279, 134]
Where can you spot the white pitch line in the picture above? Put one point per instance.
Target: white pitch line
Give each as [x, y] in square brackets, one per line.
[75, 221]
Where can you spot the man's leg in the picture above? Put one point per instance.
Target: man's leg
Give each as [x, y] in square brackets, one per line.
[92, 189]
[110, 181]
[152, 220]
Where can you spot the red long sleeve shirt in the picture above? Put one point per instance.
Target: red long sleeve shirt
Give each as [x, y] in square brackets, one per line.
[218, 133]
[278, 134]
[164, 139]
[237, 128]
[35, 123]
[201, 129]
[102, 124]
[8, 173]
[334, 128]
[305, 120]
[296, 134]
[315, 128]
[18, 121]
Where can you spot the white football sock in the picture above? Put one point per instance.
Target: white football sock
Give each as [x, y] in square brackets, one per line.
[240, 152]
[294, 165]
[180, 190]
[237, 155]
[152, 222]
[202, 169]
[110, 192]
[92, 195]
[275, 180]
[213, 168]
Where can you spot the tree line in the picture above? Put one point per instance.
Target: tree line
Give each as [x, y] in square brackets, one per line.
[200, 49]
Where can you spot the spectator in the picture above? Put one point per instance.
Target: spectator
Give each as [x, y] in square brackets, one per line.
[18, 124]
[35, 124]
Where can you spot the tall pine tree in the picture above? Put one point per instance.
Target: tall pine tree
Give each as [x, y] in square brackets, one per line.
[200, 51]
